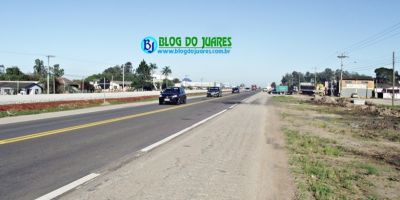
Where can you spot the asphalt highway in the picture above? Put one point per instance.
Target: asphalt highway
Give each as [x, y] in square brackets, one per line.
[40, 156]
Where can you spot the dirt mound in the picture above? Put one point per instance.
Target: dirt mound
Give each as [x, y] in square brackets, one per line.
[368, 108]
[327, 100]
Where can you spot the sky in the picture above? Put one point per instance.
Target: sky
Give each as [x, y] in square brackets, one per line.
[269, 38]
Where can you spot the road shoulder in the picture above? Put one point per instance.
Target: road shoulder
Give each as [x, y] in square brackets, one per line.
[238, 155]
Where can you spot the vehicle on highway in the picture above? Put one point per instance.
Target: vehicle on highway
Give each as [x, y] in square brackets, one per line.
[247, 89]
[265, 90]
[175, 95]
[253, 87]
[235, 90]
[214, 92]
[354, 95]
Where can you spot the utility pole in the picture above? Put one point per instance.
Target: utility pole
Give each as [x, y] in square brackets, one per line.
[332, 82]
[83, 84]
[315, 76]
[298, 89]
[104, 91]
[341, 57]
[48, 72]
[54, 82]
[393, 81]
[123, 77]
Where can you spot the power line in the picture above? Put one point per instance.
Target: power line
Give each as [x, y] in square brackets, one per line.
[60, 57]
[376, 42]
[375, 38]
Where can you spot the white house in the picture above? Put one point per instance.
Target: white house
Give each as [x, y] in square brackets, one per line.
[387, 92]
[20, 87]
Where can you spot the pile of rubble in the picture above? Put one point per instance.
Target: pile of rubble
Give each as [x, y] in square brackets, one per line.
[367, 107]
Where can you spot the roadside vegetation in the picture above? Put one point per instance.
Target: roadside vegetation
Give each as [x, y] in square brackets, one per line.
[45, 107]
[339, 152]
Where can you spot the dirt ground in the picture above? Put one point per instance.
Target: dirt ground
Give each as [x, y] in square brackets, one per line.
[340, 151]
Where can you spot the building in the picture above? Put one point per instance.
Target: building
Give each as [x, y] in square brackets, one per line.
[20, 87]
[67, 86]
[363, 87]
[108, 85]
[198, 85]
[385, 91]
[118, 85]
[158, 79]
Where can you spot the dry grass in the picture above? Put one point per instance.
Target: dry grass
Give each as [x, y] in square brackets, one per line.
[341, 153]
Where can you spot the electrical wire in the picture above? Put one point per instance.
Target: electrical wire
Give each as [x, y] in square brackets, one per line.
[376, 38]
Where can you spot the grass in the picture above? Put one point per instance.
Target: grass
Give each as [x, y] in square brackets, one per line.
[285, 99]
[321, 174]
[341, 153]
[360, 125]
[395, 107]
[368, 168]
[38, 111]
[307, 144]
[391, 135]
[63, 108]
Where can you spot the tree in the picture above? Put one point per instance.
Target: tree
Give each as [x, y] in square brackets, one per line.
[286, 78]
[113, 73]
[273, 85]
[57, 73]
[94, 77]
[153, 67]
[385, 75]
[308, 77]
[39, 70]
[128, 68]
[14, 74]
[143, 77]
[166, 71]
[176, 80]
[327, 75]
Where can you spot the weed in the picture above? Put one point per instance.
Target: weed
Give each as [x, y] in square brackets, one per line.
[368, 168]
[285, 99]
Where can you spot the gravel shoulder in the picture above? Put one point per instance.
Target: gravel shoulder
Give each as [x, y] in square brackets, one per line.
[238, 155]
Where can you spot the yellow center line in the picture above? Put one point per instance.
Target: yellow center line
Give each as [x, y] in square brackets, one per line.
[92, 124]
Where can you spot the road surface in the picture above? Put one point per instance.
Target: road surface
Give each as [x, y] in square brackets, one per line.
[239, 154]
[40, 156]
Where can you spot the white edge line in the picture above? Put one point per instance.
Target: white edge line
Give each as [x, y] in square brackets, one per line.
[148, 148]
[244, 100]
[232, 106]
[68, 187]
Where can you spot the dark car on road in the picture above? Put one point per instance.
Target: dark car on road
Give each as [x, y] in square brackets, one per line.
[235, 90]
[175, 95]
[214, 92]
